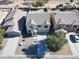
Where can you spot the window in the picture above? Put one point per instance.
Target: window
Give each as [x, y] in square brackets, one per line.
[33, 33]
[31, 26]
[45, 26]
[77, 29]
[60, 26]
[29, 31]
[75, 26]
[68, 26]
[39, 25]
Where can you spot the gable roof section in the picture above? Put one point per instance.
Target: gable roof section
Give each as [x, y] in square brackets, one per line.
[38, 18]
[67, 18]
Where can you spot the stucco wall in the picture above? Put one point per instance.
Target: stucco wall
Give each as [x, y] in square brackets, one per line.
[69, 29]
[36, 27]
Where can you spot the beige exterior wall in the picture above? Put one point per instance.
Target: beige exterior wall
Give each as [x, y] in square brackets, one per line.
[69, 29]
[39, 29]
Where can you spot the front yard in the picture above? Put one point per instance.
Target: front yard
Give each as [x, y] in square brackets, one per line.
[29, 46]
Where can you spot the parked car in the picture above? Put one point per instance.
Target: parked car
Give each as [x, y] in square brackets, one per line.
[73, 38]
[77, 38]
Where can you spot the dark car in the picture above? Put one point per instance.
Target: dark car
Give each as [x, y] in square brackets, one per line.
[73, 38]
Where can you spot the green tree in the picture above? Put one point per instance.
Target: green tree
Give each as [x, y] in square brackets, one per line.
[2, 33]
[38, 3]
[55, 41]
[70, 7]
[45, 1]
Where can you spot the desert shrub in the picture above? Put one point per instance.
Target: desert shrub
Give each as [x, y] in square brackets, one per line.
[55, 41]
[38, 3]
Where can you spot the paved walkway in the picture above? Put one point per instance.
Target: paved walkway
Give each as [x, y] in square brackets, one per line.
[75, 51]
[10, 47]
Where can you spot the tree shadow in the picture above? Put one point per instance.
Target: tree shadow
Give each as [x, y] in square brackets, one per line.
[36, 51]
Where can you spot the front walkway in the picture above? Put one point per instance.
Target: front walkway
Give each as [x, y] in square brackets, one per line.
[10, 47]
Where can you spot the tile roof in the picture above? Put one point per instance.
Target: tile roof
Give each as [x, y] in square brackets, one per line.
[10, 14]
[38, 18]
[7, 23]
[67, 18]
[2, 15]
[17, 16]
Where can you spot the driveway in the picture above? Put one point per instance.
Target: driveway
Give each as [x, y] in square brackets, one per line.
[10, 47]
[74, 46]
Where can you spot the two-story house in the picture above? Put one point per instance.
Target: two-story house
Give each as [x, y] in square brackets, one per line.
[37, 23]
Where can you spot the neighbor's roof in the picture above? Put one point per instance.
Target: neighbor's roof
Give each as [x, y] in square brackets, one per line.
[2, 15]
[38, 18]
[9, 22]
[67, 18]
[10, 14]
[15, 21]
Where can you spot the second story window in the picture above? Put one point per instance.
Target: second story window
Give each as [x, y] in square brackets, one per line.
[39, 25]
[31, 26]
[45, 26]
[75, 26]
[68, 26]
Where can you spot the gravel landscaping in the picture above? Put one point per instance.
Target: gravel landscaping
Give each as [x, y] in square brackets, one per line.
[26, 46]
[64, 51]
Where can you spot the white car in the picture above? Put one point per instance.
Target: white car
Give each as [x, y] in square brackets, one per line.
[77, 38]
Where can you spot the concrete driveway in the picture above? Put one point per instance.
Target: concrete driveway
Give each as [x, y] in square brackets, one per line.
[74, 46]
[10, 47]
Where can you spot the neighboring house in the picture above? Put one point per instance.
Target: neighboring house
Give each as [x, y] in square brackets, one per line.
[4, 1]
[37, 23]
[3, 14]
[15, 25]
[68, 21]
[66, 1]
[8, 18]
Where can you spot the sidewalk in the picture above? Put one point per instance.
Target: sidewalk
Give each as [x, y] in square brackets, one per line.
[10, 47]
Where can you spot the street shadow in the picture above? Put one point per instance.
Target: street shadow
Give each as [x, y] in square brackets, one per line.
[36, 51]
[22, 27]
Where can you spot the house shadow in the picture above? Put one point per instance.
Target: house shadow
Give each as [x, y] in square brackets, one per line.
[36, 51]
[22, 27]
